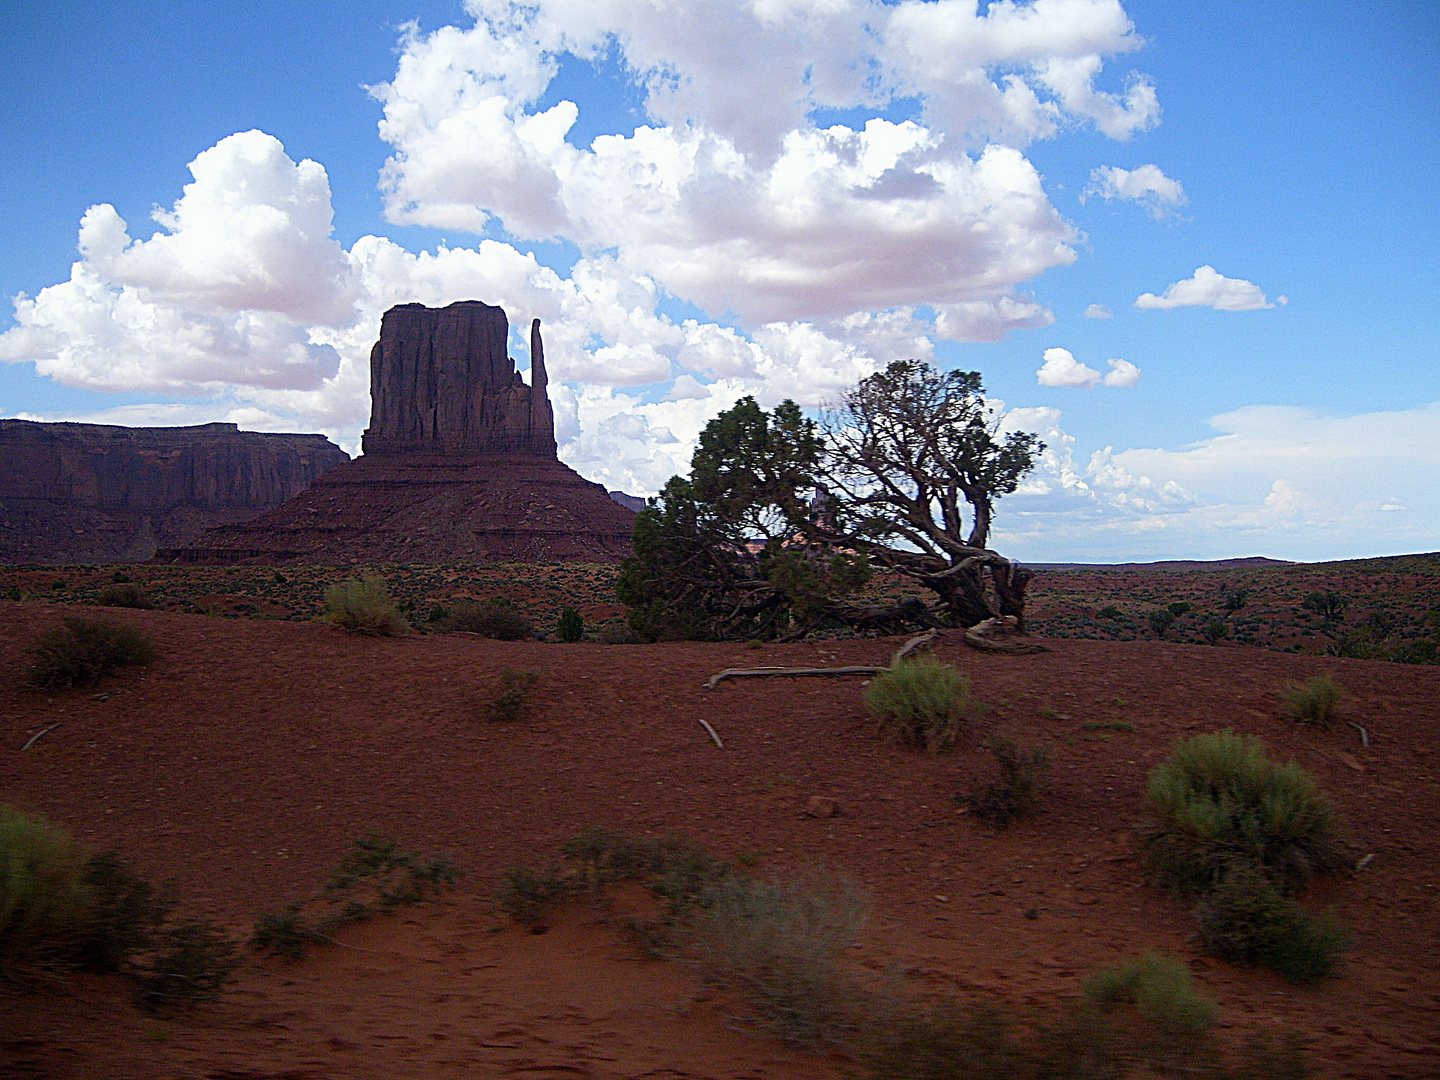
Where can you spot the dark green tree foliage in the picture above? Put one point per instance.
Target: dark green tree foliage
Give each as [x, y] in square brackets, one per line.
[913, 453]
[713, 554]
[905, 475]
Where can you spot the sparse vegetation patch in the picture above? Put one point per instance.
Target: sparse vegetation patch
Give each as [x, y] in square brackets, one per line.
[364, 607]
[1315, 701]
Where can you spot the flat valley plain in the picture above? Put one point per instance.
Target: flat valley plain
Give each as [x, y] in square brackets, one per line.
[243, 762]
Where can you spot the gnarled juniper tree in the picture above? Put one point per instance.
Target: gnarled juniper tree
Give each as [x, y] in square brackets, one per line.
[904, 475]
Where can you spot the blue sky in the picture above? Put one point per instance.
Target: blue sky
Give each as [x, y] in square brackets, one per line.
[741, 243]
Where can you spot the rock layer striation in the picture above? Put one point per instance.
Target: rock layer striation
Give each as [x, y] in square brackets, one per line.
[460, 463]
[101, 493]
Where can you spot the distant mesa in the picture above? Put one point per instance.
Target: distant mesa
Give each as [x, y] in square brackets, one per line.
[459, 463]
[86, 493]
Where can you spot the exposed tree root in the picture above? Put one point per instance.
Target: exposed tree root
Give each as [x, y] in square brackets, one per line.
[982, 636]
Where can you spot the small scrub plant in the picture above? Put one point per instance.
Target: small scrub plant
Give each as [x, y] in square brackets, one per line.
[1315, 701]
[513, 700]
[1144, 1017]
[63, 909]
[1246, 919]
[82, 649]
[1216, 631]
[1016, 793]
[780, 943]
[376, 876]
[491, 619]
[570, 627]
[1161, 621]
[45, 906]
[619, 633]
[1219, 800]
[1180, 607]
[920, 702]
[1329, 605]
[1109, 611]
[123, 595]
[364, 607]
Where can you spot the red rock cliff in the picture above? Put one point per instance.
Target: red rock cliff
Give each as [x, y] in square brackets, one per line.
[94, 492]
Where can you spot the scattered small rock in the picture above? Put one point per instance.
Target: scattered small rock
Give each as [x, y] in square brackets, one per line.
[1350, 761]
[820, 806]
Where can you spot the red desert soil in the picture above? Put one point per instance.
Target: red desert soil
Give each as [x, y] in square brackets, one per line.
[244, 761]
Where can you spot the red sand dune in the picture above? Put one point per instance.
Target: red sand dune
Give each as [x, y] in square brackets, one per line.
[244, 761]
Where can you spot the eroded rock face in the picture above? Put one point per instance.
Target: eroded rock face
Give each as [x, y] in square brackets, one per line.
[101, 493]
[441, 380]
[459, 464]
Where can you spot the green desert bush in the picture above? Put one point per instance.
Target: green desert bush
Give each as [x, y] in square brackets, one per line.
[619, 633]
[64, 909]
[1315, 701]
[570, 627]
[1161, 621]
[82, 649]
[920, 702]
[375, 876]
[491, 619]
[1247, 919]
[1218, 801]
[1016, 793]
[45, 904]
[123, 595]
[1164, 995]
[364, 607]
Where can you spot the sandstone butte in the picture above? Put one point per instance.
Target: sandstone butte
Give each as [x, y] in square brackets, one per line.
[84, 493]
[459, 464]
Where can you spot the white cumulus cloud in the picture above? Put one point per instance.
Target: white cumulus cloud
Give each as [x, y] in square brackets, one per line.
[1209, 288]
[1147, 185]
[1062, 369]
[1097, 311]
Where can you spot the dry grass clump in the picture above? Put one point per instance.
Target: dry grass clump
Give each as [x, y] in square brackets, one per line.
[781, 943]
[1315, 701]
[82, 649]
[1024, 775]
[513, 700]
[920, 702]
[364, 607]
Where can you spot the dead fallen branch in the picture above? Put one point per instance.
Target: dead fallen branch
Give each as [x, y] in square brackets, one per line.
[706, 725]
[786, 672]
[983, 636]
[914, 645]
[36, 737]
[1364, 735]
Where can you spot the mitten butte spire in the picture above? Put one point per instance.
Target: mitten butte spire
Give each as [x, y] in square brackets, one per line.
[459, 463]
[441, 381]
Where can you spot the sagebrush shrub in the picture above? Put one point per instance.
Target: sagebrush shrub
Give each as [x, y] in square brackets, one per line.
[364, 607]
[1246, 918]
[1218, 800]
[570, 627]
[1163, 992]
[920, 702]
[513, 700]
[1022, 780]
[1315, 701]
[490, 619]
[45, 904]
[82, 649]
[123, 595]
